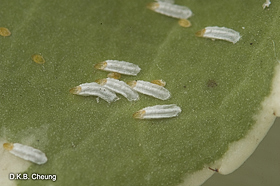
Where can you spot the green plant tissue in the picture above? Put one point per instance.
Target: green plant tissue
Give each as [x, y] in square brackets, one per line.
[218, 85]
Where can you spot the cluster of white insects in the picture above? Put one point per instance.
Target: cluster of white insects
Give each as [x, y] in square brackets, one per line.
[107, 88]
[167, 7]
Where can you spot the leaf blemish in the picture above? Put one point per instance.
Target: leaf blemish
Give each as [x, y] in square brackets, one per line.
[212, 83]
[38, 59]
[184, 23]
[215, 170]
[4, 32]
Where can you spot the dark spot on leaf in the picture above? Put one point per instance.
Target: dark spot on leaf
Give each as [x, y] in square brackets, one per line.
[251, 43]
[184, 86]
[73, 145]
[212, 83]
[216, 170]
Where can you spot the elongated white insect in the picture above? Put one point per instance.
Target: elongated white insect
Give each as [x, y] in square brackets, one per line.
[94, 89]
[266, 4]
[119, 87]
[170, 9]
[159, 82]
[121, 67]
[150, 89]
[158, 112]
[222, 33]
[166, 1]
[26, 152]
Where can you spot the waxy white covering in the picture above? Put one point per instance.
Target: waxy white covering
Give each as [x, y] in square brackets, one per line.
[222, 33]
[121, 67]
[158, 112]
[121, 88]
[94, 89]
[171, 10]
[151, 89]
[29, 153]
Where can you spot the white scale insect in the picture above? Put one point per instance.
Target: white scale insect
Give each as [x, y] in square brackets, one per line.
[169, 9]
[119, 87]
[222, 33]
[158, 112]
[150, 89]
[121, 67]
[94, 89]
[166, 1]
[26, 152]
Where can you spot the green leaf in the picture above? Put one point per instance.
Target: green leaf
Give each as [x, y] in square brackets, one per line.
[90, 143]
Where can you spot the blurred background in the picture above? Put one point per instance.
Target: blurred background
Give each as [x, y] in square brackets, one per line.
[261, 169]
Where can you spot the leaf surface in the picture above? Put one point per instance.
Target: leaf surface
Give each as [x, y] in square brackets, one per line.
[101, 144]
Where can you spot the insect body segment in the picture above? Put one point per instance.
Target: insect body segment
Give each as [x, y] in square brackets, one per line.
[222, 33]
[170, 9]
[158, 112]
[8, 146]
[26, 152]
[114, 75]
[119, 87]
[159, 82]
[94, 89]
[121, 67]
[150, 89]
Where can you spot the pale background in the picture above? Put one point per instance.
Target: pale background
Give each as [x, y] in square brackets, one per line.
[261, 169]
